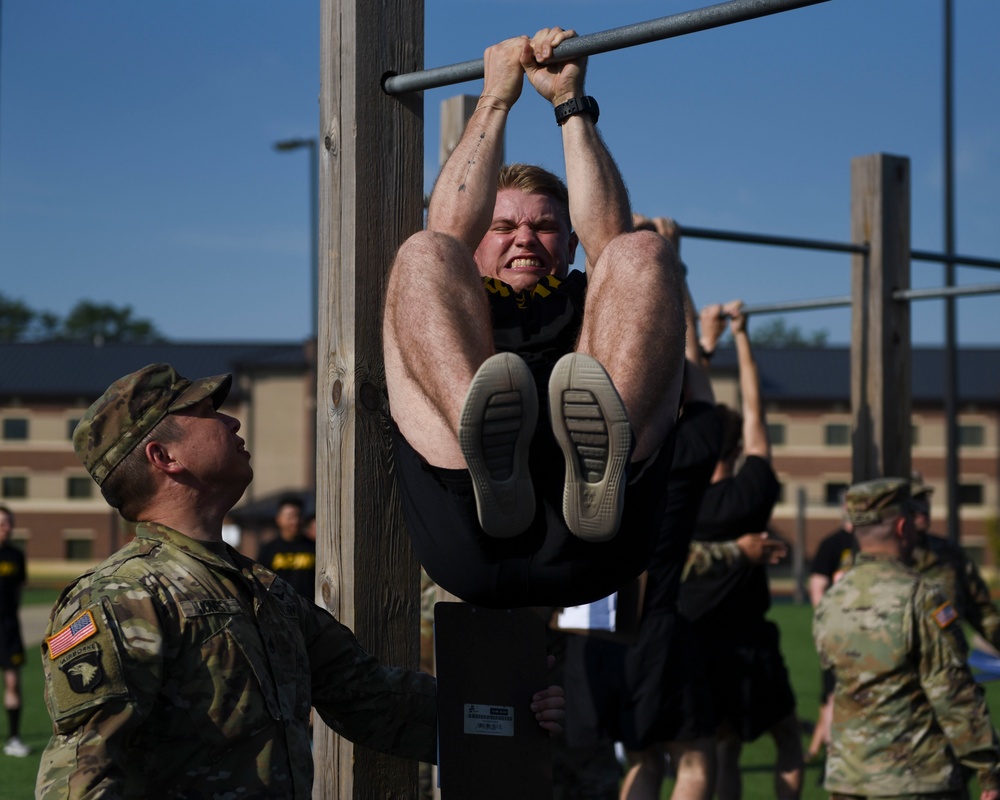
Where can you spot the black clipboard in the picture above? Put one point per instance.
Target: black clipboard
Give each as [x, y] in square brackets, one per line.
[489, 663]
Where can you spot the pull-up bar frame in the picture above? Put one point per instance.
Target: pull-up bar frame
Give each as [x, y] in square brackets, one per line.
[605, 41]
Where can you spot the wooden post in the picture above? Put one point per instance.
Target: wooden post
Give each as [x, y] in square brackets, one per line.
[455, 115]
[880, 326]
[371, 178]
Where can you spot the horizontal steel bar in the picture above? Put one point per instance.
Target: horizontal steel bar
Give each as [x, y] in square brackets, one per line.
[605, 41]
[780, 241]
[845, 300]
[965, 261]
[798, 305]
[946, 291]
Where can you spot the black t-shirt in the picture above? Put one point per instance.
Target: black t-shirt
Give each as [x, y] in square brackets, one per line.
[293, 561]
[541, 325]
[730, 508]
[697, 444]
[12, 578]
[835, 553]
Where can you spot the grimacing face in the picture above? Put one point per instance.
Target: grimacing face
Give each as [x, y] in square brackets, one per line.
[528, 239]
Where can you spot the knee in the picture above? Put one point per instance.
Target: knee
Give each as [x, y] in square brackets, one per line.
[427, 256]
[641, 253]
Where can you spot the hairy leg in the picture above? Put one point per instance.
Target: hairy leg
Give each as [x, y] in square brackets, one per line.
[436, 333]
[634, 325]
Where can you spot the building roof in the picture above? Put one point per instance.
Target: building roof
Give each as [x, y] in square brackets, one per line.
[49, 370]
[823, 374]
[790, 374]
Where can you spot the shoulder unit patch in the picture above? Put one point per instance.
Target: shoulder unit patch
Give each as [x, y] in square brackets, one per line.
[79, 630]
[944, 615]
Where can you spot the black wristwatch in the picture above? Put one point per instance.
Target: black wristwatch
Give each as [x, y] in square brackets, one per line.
[577, 105]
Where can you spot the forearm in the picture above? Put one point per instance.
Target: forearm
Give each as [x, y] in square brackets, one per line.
[711, 558]
[755, 442]
[464, 195]
[598, 201]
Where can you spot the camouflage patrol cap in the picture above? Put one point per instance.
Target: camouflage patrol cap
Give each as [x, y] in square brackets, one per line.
[131, 407]
[872, 502]
[918, 489]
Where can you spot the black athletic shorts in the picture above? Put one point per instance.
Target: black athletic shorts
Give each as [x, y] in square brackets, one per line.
[650, 692]
[544, 566]
[11, 646]
[750, 686]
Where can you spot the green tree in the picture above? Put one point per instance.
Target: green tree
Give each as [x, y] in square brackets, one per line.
[15, 319]
[777, 333]
[90, 321]
[87, 321]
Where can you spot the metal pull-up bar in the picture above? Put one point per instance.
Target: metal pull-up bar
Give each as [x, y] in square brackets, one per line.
[701, 19]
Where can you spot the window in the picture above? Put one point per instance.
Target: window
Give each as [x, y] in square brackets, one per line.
[834, 493]
[970, 494]
[776, 433]
[837, 434]
[15, 428]
[79, 487]
[79, 549]
[14, 486]
[70, 427]
[971, 436]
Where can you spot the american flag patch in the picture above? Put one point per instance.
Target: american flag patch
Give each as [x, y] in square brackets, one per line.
[79, 630]
[945, 615]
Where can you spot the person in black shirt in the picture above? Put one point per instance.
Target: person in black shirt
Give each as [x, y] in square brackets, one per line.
[506, 505]
[834, 556]
[291, 555]
[750, 687]
[653, 695]
[12, 579]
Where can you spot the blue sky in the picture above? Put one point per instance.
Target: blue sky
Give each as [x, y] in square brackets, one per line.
[137, 167]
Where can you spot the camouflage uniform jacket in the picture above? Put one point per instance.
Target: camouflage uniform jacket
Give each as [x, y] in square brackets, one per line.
[904, 701]
[948, 566]
[172, 671]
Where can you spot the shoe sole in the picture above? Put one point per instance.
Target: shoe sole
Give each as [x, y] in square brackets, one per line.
[497, 423]
[591, 426]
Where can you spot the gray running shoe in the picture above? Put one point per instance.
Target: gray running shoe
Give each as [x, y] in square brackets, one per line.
[498, 421]
[591, 425]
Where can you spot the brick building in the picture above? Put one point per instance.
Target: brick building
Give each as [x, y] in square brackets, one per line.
[45, 387]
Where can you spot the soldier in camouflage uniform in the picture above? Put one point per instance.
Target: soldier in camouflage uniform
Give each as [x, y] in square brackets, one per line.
[907, 712]
[180, 668]
[947, 565]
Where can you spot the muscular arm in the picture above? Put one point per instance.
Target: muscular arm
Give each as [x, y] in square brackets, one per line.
[755, 441]
[464, 195]
[598, 201]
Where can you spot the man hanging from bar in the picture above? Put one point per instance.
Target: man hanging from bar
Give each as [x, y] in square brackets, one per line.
[508, 505]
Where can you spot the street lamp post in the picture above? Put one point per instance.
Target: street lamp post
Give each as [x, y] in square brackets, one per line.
[285, 146]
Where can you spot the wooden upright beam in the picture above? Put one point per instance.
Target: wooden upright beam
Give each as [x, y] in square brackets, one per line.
[370, 179]
[880, 326]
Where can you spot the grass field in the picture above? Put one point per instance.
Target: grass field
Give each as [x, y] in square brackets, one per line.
[17, 775]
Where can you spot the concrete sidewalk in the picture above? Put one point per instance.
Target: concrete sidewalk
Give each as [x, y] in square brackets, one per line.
[34, 619]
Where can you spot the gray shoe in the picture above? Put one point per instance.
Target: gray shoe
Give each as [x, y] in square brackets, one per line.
[497, 423]
[591, 426]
